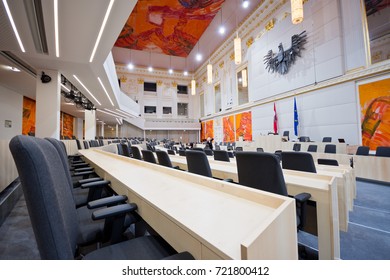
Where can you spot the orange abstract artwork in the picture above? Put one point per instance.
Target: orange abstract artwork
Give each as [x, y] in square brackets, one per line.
[228, 129]
[171, 27]
[244, 126]
[375, 113]
[28, 125]
[209, 129]
[67, 125]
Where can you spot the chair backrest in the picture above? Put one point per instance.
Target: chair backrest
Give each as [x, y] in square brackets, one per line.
[304, 139]
[363, 151]
[120, 149]
[239, 149]
[182, 152]
[221, 155]
[198, 163]
[163, 158]
[326, 161]
[327, 139]
[208, 152]
[136, 153]
[330, 148]
[86, 145]
[125, 149]
[78, 144]
[261, 171]
[300, 161]
[312, 148]
[48, 197]
[382, 152]
[286, 133]
[148, 156]
[171, 152]
[297, 147]
[198, 149]
[260, 150]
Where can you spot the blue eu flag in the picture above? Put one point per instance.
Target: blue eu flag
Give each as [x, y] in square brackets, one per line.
[295, 118]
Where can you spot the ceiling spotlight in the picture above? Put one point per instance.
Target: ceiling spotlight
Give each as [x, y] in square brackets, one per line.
[198, 57]
[221, 30]
[185, 73]
[130, 66]
[170, 71]
[14, 69]
[245, 4]
[150, 69]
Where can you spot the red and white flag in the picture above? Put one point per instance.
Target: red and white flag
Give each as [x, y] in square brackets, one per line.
[275, 120]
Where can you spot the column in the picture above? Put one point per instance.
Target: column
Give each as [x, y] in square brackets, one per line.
[102, 130]
[78, 128]
[116, 130]
[90, 124]
[48, 105]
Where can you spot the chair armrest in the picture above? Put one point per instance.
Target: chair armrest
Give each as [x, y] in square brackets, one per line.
[113, 211]
[83, 173]
[89, 180]
[228, 180]
[98, 184]
[107, 201]
[83, 164]
[302, 197]
[83, 169]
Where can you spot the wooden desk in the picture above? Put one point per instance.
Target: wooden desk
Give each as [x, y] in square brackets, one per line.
[209, 218]
[323, 190]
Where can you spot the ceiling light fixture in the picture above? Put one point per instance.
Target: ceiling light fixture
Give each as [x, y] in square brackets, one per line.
[237, 47]
[65, 87]
[56, 34]
[150, 68]
[11, 19]
[170, 71]
[198, 55]
[116, 116]
[13, 69]
[115, 113]
[222, 28]
[87, 90]
[296, 11]
[101, 83]
[101, 30]
[130, 65]
[126, 113]
[185, 73]
[244, 78]
[193, 86]
[245, 4]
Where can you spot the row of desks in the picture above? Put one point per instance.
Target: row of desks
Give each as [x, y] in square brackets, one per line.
[211, 219]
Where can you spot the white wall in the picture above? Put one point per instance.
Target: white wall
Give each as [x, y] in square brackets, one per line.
[11, 108]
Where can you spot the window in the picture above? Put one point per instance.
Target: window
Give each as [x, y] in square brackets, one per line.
[150, 87]
[150, 109]
[167, 110]
[182, 109]
[242, 86]
[182, 89]
[377, 13]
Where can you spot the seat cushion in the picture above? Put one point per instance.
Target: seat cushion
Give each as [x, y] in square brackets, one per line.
[141, 248]
[90, 230]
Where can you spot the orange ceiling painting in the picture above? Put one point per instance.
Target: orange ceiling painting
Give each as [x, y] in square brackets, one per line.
[171, 27]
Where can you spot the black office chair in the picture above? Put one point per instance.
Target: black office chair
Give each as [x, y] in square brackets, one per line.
[287, 133]
[326, 161]
[198, 163]
[171, 152]
[208, 152]
[312, 148]
[163, 159]
[327, 139]
[260, 150]
[382, 152]
[221, 155]
[363, 151]
[263, 171]
[297, 147]
[125, 149]
[136, 153]
[148, 156]
[299, 161]
[56, 223]
[182, 152]
[120, 149]
[330, 149]
[239, 149]
[304, 139]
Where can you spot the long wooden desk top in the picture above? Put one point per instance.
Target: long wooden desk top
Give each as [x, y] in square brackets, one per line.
[211, 219]
[323, 190]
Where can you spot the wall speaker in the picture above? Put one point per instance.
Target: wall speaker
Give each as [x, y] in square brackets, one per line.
[45, 78]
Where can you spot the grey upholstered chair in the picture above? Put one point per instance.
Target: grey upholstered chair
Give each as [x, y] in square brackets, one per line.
[221, 155]
[56, 223]
[148, 156]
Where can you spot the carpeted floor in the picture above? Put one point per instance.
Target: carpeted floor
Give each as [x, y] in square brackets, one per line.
[368, 236]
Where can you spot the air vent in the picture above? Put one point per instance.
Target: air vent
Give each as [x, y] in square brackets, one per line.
[37, 24]
[18, 63]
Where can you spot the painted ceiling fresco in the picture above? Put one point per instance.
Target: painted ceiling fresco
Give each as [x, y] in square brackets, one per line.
[171, 27]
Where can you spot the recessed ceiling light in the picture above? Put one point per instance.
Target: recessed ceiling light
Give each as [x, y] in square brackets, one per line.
[87, 89]
[198, 57]
[170, 71]
[14, 69]
[221, 30]
[101, 83]
[130, 66]
[185, 73]
[150, 69]
[245, 4]
[11, 19]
